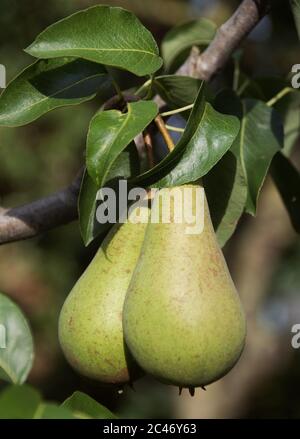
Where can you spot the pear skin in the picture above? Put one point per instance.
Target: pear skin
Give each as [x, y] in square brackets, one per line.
[90, 323]
[182, 318]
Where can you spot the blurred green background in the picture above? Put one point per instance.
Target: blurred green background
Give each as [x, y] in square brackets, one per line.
[263, 255]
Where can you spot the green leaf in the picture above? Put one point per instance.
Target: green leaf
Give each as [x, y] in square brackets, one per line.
[53, 411]
[50, 84]
[288, 107]
[166, 165]
[177, 91]
[106, 35]
[207, 137]
[82, 405]
[16, 348]
[261, 136]
[210, 141]
[226, 192]
[126, 165]
[19, 402]
[225, 184]
[295, 5]
[177, 42]
[287, 180]
[266, 88]
[87, 205]
[109, 134]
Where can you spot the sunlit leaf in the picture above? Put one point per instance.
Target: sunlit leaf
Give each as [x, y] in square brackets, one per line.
[109, 134]
[103, 34]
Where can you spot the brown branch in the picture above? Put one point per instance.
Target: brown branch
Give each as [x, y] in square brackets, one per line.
[228, 37]
[35, 218]
[60, 208]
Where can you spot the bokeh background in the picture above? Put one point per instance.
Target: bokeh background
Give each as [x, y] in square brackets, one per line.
[263, 255]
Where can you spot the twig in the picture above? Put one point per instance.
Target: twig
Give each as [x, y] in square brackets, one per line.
[279, 96]
[228, 37]
[175, 129]
[164, 132]
[144, 86]
[177, 111]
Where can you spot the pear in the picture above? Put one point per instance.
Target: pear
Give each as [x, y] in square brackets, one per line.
[182, 318]
[90, 323]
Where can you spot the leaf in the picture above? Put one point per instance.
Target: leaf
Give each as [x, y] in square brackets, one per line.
[177, 91]
[261, 136]
[213, 137]
[265, 88]
[126, 165]
[287, 180]
[82, 405]
[162, 168]
[226, 192]
[225, 184]
[109, 134]
[295, 5]
[288, 107]
[16, 349]
[103, 34]
[207, 137]
[49, 84]
[87, 205]
[53, 411]
[177, 42]
[19, 402]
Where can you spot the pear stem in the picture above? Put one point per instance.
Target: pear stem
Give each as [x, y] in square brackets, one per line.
[164, 132]
[144, 86]
[176, 129]
[178, 110]
[279, 96]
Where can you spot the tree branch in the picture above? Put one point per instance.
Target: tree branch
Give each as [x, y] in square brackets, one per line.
[228, 37]
[35, 218]
[61, 208]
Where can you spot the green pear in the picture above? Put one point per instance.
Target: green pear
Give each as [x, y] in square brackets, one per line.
[182, 318]
[90, 323]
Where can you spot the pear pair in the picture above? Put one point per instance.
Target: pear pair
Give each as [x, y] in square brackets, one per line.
[167, 292]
